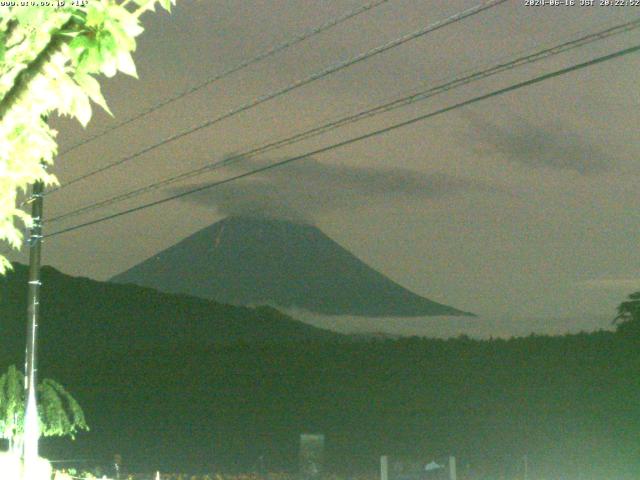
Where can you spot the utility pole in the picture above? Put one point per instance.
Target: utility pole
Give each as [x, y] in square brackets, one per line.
[31, 418]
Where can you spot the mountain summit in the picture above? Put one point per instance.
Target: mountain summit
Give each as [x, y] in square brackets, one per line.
[256, 261]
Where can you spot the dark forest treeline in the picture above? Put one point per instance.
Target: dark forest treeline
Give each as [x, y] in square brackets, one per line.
[570, 403]
[566, 402]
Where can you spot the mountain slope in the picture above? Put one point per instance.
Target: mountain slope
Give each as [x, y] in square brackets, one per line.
[250, 261]
[85, 315]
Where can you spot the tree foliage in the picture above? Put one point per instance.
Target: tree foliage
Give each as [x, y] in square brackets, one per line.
[60, 414]
[11, 404]
[628, 318]
[49, 60]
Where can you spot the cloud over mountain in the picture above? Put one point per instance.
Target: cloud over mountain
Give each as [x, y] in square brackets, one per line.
[303, 189]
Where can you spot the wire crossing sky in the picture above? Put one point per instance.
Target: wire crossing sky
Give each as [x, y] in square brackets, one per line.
[398, 103]
[412, 121]
[300, 83]
[234, 69]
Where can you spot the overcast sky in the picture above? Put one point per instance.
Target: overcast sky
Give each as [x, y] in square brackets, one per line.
[522, 208]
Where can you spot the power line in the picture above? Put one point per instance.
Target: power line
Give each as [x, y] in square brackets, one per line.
[350, 141]
[236, 68]
[305, 81]
[398, 103]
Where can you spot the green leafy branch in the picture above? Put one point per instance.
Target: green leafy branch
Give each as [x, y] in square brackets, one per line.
[60, 414]
[49, 60]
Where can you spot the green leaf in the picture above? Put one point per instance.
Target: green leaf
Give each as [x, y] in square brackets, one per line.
[4, 265]
[122, 39]
[79, 44]
[85, 52]
[146, 4]
[131, 26]
[126, 64]
[91, 87]
[96, 14]
[166, 4]
[30, 15]
[109, 63]
[108, 43]
[80, 106]
[90, 60]
[3, 46]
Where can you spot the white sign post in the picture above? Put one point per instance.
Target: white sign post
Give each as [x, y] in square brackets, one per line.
[452, 468]
[384, 467]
